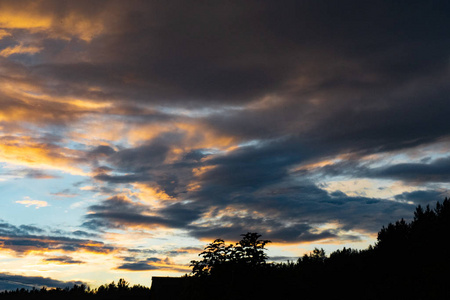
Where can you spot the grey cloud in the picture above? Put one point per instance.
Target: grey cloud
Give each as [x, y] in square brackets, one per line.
[255, 178]
[151, 263]
[426, 171]
[63, 260]
[102, 150]
[12, 282]
[239, 51]
[137, 266]
[39, 174]
[184, 250]
[27, 238]
[435, 171]
[423, 197]
[31, 229]
[351, 77]
[116, 212]
[82, 233]
[283, 258]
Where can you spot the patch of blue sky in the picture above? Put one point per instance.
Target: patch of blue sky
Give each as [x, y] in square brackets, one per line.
[42, 201]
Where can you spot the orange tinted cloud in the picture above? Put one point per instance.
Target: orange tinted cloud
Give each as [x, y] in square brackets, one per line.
[28, 152]
[4, 33]
[51, 18]
[19, 49]
[30, 202]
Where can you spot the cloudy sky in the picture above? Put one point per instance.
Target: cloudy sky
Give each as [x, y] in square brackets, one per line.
[132, 133]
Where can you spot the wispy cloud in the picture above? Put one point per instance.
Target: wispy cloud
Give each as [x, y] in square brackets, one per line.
[65, 260]
[152, 263]
[20, 49]
[31, 239]
[27, 201]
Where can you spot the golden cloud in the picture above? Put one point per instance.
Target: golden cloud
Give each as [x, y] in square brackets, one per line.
[27, 201]
[20, 49]
[50, 18]
[28, 152]
[4, 33]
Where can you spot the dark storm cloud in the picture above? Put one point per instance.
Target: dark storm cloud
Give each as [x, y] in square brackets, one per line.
[11, 282]
[306, 80]
[237, 52]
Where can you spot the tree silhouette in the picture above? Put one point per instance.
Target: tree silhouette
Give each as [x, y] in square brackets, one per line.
[219, 259]
[214, 255]
[250, 250]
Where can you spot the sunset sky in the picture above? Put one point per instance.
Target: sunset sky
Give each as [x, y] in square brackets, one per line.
[132, 133]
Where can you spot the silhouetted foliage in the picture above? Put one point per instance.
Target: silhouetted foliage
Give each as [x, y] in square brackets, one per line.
[218, 258]
[110, 291]
[409, 261]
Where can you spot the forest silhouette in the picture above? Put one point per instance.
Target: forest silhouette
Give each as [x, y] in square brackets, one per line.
[410, 260]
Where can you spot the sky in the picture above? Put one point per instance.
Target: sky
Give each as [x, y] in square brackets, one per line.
[133, 133]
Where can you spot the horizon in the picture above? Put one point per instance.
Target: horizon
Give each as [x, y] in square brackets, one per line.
[133, 134]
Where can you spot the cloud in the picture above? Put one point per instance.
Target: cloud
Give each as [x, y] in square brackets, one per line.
[424, 197]
[30, 202]
[184, 250]
[11, 282]
[423, 171]
[137, 266]
[152, 263]
[25, 239]
[55, 20]
[28, 173]
[66, 260]
[4, 33]
[26, 151]
[19, 49]
[228, 117]
[38, 174]
[435, 171]
[120, 212]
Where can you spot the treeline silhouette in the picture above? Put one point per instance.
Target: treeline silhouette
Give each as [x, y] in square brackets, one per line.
[111, 291]
[410, 260]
